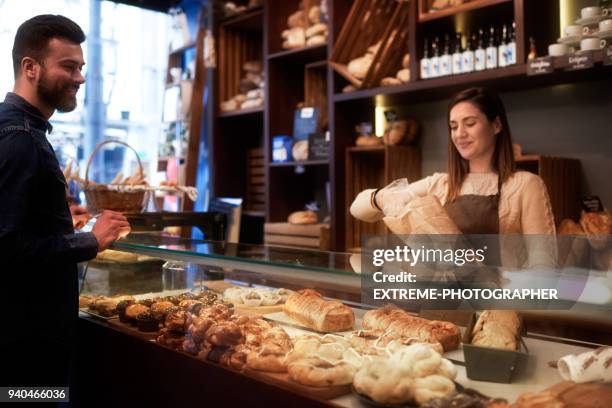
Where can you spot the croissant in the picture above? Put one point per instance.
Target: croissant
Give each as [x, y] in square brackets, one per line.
[310, 309]
[428, 331]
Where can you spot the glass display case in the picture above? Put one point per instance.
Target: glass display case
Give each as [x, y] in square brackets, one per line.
[152, 268]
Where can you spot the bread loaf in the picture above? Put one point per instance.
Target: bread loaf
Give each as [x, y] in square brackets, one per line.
[497, 329]
[302, 218]
[310, 309]
[428, 331]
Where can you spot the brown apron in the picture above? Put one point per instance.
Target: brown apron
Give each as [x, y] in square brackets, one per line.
[477, 215]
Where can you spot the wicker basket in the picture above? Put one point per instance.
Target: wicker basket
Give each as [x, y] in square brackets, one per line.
[100, 197]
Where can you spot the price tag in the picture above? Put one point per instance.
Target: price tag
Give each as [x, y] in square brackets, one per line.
[579, 60]
[306, 113]
[540, 66]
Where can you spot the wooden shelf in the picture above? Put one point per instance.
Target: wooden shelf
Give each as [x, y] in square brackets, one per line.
[241, 113]
[249, 20]
[502, 79]
[183, 48]
[472, 5]
[367, 149]
[301, 163]
[302, 55]
[250, 213]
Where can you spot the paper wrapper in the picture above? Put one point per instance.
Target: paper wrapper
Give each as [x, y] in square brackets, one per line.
[593, 365]
[422, 215]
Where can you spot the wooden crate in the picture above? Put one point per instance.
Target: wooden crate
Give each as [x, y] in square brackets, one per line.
[562, 179]
[315, 90]
[255, 199]
[368, 22]
[240, 40]
[315, 236]
[374, 167]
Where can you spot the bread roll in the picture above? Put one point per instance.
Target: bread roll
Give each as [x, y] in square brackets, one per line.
[310, 309]
[302, 218]
[428, 331]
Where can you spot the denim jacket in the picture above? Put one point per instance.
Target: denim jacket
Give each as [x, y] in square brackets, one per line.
[38, 247]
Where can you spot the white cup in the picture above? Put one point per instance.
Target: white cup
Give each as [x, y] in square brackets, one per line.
[589, 12]
[591, 44]
[605, 25]
[557, 50]
[572, 30]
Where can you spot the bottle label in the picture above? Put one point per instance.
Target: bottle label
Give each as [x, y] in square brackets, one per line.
[435, 67]
[425, 68]
[457, 68]
[502, 55]
[480, 58]
[491, 57]
[468, 61]
[445, 65]
[511, 53]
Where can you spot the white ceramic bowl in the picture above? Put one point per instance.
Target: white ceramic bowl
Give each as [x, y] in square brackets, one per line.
[589, 12]
[557, 50]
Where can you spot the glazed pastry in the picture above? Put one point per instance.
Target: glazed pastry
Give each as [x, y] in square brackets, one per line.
[172, 299]
[132, 311]
[391, 319]
[175, 320]
[310, 309]
[224, 334]
[146, 322]
[187, 296]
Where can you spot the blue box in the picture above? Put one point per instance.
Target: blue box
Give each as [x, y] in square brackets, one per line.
[281, 149]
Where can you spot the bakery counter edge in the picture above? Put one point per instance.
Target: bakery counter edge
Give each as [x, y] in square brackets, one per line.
[116, 369]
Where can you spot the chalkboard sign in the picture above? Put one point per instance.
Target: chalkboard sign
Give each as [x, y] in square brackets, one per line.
[579, 60]
[318, 146]
[540, 66]
[592, 204]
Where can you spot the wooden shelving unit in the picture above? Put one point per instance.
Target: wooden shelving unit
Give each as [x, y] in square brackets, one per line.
[287, 71]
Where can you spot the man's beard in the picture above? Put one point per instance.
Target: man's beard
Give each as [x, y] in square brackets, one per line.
[55, 94]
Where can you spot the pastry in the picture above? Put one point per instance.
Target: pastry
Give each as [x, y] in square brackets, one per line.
[224, 334]
[104, 306]
[497, 329]
[314, 14]
[146, 322]
[175, 320]
[302, 218]
[381, 384]
[251, 298]
[369, 141]
[317, 372]
[158, 309]
[427, 388]
[403, 75]
[316, 40]
[406, 61]
[316, 29]
[121, 307]
[310, 309]
[391, 319]
[132, 311]
[359, 66]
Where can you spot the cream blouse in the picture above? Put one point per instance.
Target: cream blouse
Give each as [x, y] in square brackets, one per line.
[524, 206]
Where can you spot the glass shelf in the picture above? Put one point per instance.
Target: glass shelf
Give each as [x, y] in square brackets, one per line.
[256, 258]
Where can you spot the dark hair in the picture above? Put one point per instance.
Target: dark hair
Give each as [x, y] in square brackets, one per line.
[490, 104]
[34, 35]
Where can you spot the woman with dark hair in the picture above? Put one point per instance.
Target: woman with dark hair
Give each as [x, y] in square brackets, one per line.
[482, 192]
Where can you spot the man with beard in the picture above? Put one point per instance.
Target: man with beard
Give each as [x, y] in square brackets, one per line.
[38, 247]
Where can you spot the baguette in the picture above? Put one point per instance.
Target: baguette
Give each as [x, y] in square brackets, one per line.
[310, 309]
[390, 319]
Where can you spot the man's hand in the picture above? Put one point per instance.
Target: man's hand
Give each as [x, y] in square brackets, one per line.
[109, 227]
[80, 216]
